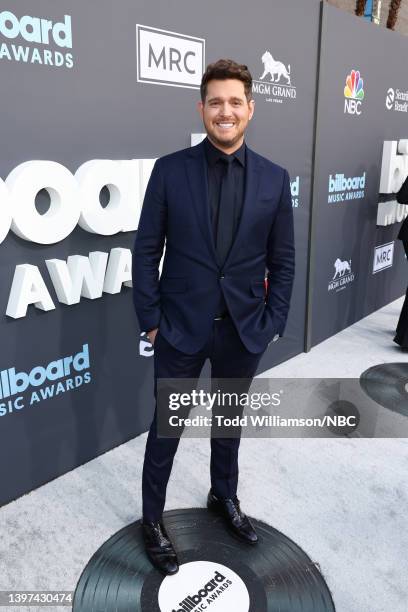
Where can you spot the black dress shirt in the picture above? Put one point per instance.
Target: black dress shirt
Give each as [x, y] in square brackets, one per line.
[215, 172]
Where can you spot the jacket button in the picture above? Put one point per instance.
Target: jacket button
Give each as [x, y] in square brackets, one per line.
[221, 277]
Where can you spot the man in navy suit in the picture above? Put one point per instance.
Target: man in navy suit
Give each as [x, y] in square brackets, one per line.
[225, 214]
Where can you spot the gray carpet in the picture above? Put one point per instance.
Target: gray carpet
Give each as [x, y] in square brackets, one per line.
[345, 502]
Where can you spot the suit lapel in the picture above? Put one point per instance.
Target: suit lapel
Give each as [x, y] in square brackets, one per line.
[197, 178]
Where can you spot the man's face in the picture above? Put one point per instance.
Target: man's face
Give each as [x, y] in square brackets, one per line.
[225, 113]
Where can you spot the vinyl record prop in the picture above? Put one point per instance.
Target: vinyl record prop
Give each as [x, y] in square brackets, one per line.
[218, 573]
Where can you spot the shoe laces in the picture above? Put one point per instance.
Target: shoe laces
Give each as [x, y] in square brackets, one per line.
[237, 508]
[162, 536]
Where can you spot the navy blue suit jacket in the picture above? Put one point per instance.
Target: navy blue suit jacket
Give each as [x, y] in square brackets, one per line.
[184, 300]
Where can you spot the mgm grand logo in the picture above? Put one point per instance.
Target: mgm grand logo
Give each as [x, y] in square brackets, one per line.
[343, 275]
[275, 82]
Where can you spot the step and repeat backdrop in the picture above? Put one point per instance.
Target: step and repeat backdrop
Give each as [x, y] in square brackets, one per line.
[357, 264]
[91, 96]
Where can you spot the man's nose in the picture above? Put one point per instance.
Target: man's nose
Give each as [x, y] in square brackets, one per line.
[226, 109]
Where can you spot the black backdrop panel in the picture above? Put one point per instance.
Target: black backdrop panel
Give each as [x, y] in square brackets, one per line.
[350, 136]
[74, 99]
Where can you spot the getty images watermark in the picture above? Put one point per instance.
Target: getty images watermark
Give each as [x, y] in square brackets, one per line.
[279, 408]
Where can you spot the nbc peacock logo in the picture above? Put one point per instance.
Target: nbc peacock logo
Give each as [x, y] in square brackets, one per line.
[353, 93]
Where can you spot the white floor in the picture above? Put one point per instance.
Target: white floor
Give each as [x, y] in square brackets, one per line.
[348, 354]
[344, 501]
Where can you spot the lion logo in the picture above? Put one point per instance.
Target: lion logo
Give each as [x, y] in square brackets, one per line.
[275, 69]
[341, 267]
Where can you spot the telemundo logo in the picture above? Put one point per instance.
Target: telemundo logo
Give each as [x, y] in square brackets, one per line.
[59, 376]
[37, 31]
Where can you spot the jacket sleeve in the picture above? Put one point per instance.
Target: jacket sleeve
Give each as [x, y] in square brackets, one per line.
[403, 231]
[281, 260]
[148, 250]
[402, 195]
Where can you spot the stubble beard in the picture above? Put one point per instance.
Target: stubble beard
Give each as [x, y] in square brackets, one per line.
[222, 142]
[225, 143]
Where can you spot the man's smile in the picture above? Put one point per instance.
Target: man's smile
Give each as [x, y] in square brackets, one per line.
[224, 125]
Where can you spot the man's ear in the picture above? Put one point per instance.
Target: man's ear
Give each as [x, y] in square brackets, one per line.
[251, 104]
[200, 108]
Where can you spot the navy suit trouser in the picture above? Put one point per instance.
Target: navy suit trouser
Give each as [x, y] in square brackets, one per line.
[229, 359]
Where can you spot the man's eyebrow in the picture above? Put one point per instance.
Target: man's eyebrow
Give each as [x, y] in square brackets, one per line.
[218, 99]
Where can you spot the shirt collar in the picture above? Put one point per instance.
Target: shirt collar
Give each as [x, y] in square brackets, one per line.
[213, 154]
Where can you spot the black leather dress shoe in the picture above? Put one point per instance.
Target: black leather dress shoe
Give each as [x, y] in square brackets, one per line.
[159, 548]
[237, 522]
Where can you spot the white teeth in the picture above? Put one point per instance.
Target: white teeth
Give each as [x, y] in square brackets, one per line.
[225, 125]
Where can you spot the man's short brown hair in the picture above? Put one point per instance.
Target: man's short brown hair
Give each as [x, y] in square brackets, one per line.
[227, 69]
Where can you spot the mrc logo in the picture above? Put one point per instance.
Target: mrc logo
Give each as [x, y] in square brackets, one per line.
[383, 257]
[353, 93]
[169, 58]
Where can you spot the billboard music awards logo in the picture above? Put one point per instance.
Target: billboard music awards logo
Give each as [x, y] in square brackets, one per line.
[203, 585]
[169, 58]
[343, 275]
[74, 200]
[295, 191]
[145, 346]
[383, 257]
[342, 188]
[59, 376]
[353, 93]
[397, 100]
[40, 32]
[275, 82]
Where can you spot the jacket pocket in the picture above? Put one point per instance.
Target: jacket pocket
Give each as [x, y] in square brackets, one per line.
[258, 288]
[267, 200]
[173, 285]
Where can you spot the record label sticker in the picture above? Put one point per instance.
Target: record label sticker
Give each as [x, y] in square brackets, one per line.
[199, 586]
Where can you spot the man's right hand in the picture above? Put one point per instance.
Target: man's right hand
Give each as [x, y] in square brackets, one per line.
[152, 335]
